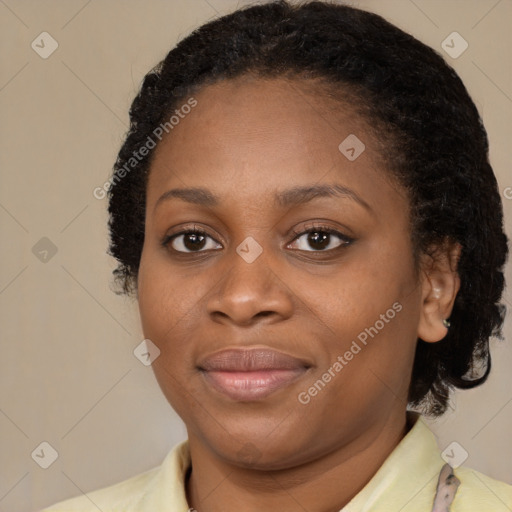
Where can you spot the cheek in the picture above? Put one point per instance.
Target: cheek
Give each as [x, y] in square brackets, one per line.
[372, 302]
[171, 306]
[357, 292]
[162, 308]
[157, 304]
[166, 313]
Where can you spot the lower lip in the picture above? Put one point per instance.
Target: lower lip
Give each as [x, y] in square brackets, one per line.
[254, 385]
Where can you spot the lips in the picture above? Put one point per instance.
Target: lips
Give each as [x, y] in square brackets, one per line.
[251, 374]
[247, 360]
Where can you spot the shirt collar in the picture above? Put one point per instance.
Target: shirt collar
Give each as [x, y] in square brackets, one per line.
[406, 481]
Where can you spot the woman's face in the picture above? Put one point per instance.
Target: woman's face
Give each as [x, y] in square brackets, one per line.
[277, 345]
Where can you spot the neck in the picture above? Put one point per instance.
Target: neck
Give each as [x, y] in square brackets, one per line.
[325, 484]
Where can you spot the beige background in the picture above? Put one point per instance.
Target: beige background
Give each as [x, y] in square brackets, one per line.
[68, 374]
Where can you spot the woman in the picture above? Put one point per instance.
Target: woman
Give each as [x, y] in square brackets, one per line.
[305, 211]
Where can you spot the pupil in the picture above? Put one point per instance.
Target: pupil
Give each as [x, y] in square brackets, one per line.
[317, 239]
[321, 239]
[197, 241]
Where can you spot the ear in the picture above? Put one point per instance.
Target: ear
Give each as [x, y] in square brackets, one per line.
[440, 284]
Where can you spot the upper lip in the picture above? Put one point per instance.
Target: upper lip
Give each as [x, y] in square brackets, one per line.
[254, 359]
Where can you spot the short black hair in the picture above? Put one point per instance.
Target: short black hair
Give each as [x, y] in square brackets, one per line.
[439, 153]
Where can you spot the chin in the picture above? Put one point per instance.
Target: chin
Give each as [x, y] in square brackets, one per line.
[255, 450]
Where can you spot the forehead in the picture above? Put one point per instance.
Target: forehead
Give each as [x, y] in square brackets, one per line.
[253, 135]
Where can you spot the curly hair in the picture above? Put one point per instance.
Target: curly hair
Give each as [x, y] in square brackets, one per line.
[439, 153]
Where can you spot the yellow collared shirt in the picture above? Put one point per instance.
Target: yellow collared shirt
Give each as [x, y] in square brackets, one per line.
[406, 482]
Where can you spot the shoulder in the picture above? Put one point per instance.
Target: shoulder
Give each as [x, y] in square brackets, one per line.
[140, 493]
[120, 497]
[479, 492]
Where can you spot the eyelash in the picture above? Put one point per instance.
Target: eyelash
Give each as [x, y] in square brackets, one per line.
[319, 228]
[346, 240]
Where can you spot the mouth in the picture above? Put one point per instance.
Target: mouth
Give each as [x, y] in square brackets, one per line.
[251, 374]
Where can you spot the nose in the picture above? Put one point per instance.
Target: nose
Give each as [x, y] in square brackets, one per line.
[249, 293]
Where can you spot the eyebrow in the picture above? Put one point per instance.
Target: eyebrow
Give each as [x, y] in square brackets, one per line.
[287, 198]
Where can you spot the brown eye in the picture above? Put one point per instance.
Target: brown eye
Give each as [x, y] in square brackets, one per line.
[191, 241]
[320, 239]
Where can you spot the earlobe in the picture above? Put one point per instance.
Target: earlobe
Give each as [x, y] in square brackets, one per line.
[440, 285]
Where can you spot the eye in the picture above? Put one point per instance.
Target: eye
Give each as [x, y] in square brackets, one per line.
[191, 240]
[320, 238]
[315, 239]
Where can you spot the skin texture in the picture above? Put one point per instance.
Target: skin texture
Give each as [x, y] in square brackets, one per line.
[246, 140]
